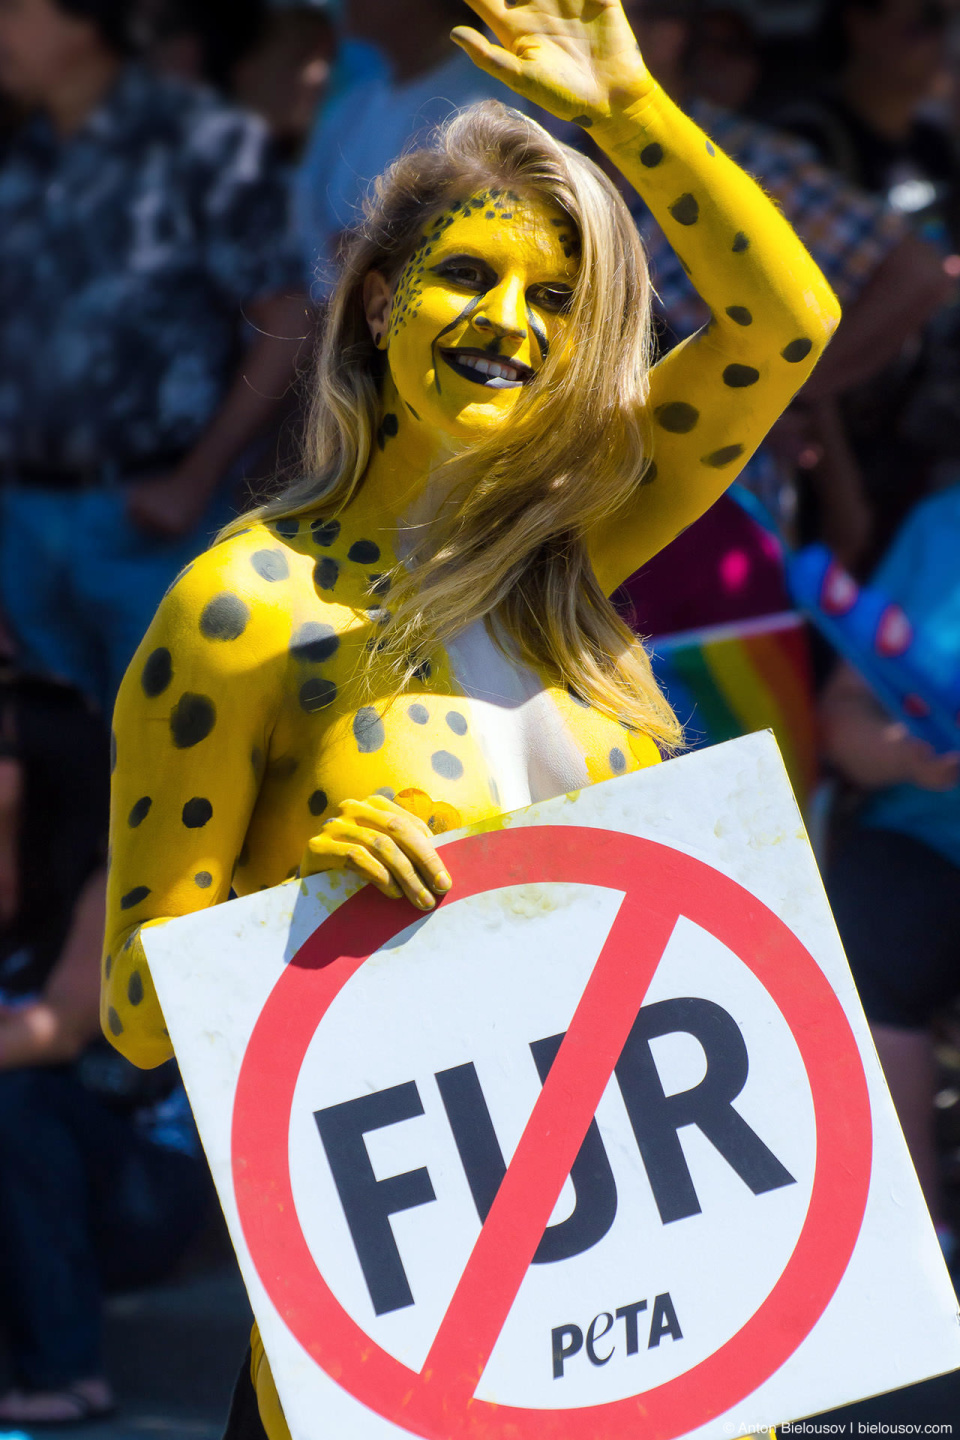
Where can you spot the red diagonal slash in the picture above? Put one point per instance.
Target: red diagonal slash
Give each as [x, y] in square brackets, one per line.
[548, 1147]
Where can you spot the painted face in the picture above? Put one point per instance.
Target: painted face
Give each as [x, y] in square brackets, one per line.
[478, 308]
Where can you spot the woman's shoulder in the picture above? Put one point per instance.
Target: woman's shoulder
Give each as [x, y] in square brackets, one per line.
[235, 605]
[255, 564]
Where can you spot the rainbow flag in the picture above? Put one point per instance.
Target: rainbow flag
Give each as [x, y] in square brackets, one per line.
[728, 680]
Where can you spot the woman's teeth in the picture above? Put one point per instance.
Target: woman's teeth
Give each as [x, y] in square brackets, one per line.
[499, 374]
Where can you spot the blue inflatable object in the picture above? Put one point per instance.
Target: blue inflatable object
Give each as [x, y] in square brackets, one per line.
[876, 637]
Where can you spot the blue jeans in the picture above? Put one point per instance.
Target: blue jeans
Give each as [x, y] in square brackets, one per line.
[86, 1203]
[79, 582]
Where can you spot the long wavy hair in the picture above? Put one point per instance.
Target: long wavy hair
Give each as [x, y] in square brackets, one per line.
[511, 548]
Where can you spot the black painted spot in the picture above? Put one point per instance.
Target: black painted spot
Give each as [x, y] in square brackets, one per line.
[139, 812]
[134, 897]
[723, 457]
[650, 474]
[364, 552]
[380, 585]
[678, 417]
[203, 879]
[114, 1021]
[686, 210]
[390, 425]
[224, 617]
[419, 714]
[446, 765]
[317, 802]
[113, 752]
[796, 351]
[456, 721]
[740, 314]
[314, 642]
[741, 242]
[423, 671]
[739, 377]
[192, 719]
[368, 730]
[325, 573]
[618, 761]
[324, 532]
[287, 528]
[135, 988]
[577, 699]
[270, 564]
[107, 966]
[583, 121]
[157, 672]
[317, 695]
[378, 615]
[196, 813]
[651, 156]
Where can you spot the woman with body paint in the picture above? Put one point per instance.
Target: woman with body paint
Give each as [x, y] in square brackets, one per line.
[418, 634]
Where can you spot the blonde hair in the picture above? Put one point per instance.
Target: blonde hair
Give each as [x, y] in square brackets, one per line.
[512, 547]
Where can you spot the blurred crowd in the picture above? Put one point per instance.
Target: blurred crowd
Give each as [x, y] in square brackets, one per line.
[175, 177]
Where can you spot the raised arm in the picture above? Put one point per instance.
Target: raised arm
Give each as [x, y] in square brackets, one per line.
[192, 731]
[713, 399]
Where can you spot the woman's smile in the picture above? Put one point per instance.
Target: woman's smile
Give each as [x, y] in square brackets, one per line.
[483, 369]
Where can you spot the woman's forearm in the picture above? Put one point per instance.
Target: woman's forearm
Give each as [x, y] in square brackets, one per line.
[742, 255]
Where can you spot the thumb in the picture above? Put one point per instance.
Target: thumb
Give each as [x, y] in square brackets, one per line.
[496, 61]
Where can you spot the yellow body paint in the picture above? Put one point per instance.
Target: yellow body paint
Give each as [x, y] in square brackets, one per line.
[238, 727]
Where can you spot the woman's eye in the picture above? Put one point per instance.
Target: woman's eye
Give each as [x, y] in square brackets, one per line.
[555, 298]
[471, 277]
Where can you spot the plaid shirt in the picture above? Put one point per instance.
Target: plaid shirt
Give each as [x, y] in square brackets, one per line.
[126, 254]
[847, 232]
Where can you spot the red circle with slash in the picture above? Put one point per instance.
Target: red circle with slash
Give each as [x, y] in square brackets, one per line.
[660, 884]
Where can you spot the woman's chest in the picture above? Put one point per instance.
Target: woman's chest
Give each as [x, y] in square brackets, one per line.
[474, 734]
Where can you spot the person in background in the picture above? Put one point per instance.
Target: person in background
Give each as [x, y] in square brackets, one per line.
[200, 40]
[284, 76]
[87, 1149]
[894, 875]
[402, 81]
[888, 281]
[873, 123]
[141, 224]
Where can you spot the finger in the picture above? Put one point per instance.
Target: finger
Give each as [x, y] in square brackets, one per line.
[408, 833]
[493, 59]
[416, 813]
[327, 853]
[410, 880]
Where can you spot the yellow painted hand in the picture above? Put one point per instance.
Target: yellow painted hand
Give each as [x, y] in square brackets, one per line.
[578, 59]
[385, 844]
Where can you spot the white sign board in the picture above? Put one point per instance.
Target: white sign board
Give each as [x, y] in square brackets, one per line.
[599, 1148]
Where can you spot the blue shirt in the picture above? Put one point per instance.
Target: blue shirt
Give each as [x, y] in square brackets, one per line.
[921, 573]
[127, 252]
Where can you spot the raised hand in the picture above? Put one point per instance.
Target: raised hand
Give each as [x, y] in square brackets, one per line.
[578, 59]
